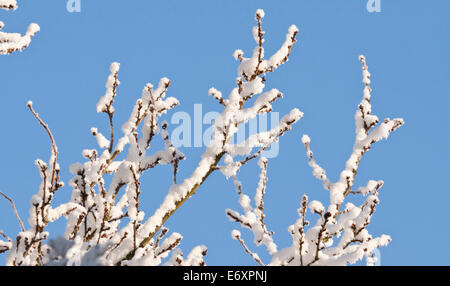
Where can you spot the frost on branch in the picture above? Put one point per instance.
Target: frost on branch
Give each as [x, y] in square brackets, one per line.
[340, 235]
[11, 42]
[106, 225]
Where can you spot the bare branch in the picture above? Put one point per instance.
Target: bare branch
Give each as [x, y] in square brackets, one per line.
[22, 227]
[54, 148]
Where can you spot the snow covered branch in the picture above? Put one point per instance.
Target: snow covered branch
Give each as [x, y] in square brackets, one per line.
[95, 234]
[339, 237]
[28, 249]
[106, 225]
[11, 42]
[250, 82]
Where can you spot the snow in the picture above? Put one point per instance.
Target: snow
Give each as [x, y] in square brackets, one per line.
[33, 28]
[105, 102]
[283, 52]
[195, 257]
[318, 171]
[261, 188]
[8, 4]
[259, 14]
[237, 55]
[64, 209]
[101, 139]
[371, 187]
[306, 139]
[215, 93]
[235, 234]
[250, 88]
[231, 168]
[11, 42]
[316, 207]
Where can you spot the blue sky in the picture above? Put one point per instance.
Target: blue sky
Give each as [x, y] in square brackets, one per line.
[191, 42]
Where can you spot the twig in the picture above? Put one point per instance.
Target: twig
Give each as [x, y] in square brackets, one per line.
[111, 128]
[301, 229]
[253, 255]
[261, 190]
[2, 234]
[15, 210]
[319, 237]
[163, 232]
[50, 135]
[136, 198]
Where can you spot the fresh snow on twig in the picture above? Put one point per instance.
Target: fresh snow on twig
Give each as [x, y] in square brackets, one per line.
[11, 42]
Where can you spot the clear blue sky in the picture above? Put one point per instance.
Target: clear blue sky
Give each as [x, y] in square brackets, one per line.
[407, 46]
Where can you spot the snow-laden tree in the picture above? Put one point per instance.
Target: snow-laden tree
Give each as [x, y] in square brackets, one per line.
[11, 42]
[105, 223]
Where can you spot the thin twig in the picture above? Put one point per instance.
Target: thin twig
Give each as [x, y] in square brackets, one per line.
[163, 232]
[301, 230]
[15, 210]
[262, 191]
[50, 135]
[319, 237]
[111, 128]
[253, 255]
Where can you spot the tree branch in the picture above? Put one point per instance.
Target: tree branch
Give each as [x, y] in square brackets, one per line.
[22, 227]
